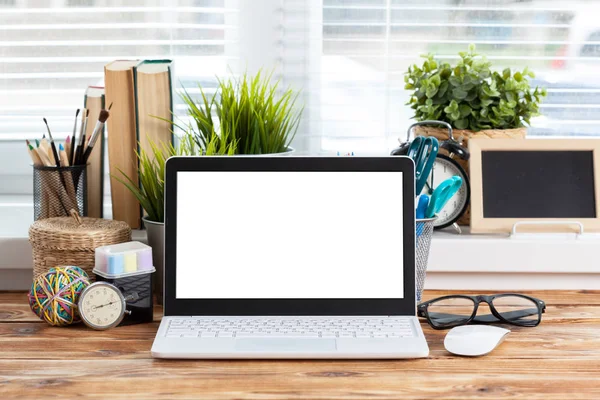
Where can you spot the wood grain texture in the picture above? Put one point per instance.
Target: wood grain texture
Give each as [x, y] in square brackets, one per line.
[558, 359]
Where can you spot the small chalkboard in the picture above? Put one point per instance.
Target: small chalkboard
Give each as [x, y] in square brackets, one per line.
[534, 179]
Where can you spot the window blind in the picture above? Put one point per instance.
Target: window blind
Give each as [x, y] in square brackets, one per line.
[369, 44]
[348, 57]
[49, 55]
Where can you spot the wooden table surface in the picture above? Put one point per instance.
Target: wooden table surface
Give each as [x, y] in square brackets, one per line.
[557, 360]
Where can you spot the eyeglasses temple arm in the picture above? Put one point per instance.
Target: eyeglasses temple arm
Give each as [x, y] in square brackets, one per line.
[447, 318]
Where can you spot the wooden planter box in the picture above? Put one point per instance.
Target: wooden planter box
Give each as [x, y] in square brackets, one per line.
[442, 134]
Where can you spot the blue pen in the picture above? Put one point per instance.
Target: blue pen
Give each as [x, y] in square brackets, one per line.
[422, 206]
[442, 194]
[423, 151]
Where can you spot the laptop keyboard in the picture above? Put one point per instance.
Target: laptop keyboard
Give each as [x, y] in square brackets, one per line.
[339, 327]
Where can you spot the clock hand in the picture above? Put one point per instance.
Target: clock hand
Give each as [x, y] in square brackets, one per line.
[431, 187]
[429, 190]
[108, 304]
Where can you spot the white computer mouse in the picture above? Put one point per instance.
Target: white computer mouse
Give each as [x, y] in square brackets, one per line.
[474, 340]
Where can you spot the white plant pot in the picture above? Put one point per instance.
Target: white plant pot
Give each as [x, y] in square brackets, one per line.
[156, 240]
[289, 152]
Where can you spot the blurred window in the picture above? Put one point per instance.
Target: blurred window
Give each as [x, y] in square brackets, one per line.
[50, 51]
[348, 57]
[592, 49]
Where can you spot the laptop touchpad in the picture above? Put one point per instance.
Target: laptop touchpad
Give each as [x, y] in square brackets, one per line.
[284, 344]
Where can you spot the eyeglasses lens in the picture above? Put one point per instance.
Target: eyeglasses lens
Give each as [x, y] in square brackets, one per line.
[518, 310]
[450, 311]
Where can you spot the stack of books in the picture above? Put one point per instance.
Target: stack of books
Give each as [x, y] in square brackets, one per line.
[141, 94]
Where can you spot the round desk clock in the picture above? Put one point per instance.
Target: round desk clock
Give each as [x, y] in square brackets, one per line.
[102, 306]
[445, 167]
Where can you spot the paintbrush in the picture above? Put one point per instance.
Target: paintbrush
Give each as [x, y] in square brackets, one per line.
[52, 145]
[104, 114]
[72, 147]
[81, 144]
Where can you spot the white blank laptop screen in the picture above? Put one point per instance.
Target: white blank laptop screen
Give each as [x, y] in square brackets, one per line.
[244, 235]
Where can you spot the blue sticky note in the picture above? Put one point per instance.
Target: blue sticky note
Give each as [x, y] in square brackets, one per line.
[115, 264]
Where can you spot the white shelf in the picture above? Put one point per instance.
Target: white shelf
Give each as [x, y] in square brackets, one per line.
[451, 252]
[460, 262]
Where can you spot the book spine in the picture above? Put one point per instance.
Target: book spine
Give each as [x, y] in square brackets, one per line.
[102, 150]
[171, 106]
[95, 178]
[121, 131]
[137, 123]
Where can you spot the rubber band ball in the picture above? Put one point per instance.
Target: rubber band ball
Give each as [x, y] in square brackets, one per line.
[54, 295]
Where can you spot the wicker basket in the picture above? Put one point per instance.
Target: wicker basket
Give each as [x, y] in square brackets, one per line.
[442, 134]
[72, 241]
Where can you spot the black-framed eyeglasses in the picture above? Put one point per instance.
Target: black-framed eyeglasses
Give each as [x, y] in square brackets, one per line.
[454, 310]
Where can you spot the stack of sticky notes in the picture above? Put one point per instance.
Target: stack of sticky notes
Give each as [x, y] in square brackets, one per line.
[123, 259]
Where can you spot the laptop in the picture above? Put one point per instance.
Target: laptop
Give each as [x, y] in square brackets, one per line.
[289, 257]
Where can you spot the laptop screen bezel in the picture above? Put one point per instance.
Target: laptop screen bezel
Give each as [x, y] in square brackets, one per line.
[290, 307]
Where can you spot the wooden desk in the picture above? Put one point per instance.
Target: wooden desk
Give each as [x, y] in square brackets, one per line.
[557, 360]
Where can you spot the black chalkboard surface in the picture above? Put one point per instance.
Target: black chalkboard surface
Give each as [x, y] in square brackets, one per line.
[538, 184]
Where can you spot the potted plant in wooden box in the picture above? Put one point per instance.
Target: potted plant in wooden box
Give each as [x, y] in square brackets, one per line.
[151, 190]
[247, 112]
[475, 100]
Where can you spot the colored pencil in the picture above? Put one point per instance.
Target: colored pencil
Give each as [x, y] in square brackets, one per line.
[68, 148]
[64, 158]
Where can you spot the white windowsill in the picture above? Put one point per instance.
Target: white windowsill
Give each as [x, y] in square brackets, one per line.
[478, 262]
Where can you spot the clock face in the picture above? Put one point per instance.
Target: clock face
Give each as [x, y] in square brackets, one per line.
[445, 168]
[101, 306]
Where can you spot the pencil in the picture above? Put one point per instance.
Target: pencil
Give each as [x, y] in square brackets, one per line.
[33, 154]
[44, 144]
[64, 158]
[68, 148]
[43, 155]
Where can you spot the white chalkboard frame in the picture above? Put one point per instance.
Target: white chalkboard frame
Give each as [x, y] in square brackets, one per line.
[481, 224]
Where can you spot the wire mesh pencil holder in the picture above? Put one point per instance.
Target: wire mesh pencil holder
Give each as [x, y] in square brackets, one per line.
[58, 190]
[424, 232]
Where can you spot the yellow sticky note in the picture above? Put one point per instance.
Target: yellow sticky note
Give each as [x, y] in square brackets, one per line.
[130, 262]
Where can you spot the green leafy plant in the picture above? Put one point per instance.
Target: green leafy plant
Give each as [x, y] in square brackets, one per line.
[470, 95]
[250, 113]
[151, 190]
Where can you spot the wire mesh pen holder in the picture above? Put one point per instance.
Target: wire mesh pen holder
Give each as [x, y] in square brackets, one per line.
[424, 232]
[58, 190]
